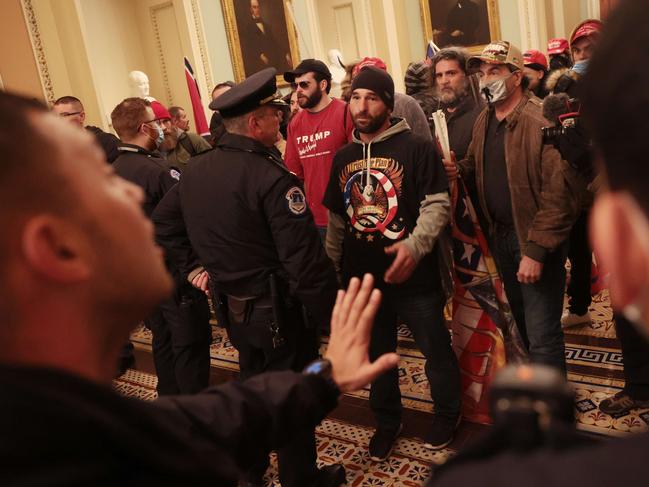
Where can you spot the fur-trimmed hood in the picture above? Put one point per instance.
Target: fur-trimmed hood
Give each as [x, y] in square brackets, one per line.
[554, 75]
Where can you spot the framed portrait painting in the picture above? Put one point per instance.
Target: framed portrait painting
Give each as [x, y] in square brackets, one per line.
[260, 35]
[468, 23]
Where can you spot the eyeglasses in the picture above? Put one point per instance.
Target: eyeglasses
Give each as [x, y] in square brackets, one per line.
[302, 84]
[154, 121]
[70, 114]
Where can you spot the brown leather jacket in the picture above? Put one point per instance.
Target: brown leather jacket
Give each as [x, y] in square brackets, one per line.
[543, 187]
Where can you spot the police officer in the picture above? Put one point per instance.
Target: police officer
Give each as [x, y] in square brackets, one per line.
[249, 223]
[180, 325]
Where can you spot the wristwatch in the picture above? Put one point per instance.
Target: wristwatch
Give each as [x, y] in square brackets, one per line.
[322, 368]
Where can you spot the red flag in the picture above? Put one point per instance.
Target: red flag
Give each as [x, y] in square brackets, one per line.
[199, 114]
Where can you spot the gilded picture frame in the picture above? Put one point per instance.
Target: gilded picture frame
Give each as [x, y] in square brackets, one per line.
[435, 15]
[256, 42]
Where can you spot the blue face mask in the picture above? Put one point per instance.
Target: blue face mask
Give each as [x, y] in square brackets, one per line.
[580, 67]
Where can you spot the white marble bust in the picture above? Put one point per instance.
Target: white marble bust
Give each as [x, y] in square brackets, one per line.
[139, 84]
[336, 66]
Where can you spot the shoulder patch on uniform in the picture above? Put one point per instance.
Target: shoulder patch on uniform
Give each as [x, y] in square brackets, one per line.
[296, 200]
[175, 174]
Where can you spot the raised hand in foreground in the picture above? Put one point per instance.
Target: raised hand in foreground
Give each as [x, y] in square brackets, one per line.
[351, 323]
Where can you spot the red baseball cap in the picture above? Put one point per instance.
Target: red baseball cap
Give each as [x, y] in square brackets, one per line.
[557, 46]
[586, 28]
[160, 111]
[534, 58]
[369, 61]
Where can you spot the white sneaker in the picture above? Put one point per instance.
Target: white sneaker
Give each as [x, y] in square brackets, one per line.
[569, 319]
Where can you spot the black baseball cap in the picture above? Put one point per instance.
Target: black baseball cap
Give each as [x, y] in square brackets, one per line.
[255, 91]
[306, 66]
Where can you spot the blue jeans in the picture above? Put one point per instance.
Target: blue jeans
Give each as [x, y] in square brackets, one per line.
[424, 315]
[536, 307]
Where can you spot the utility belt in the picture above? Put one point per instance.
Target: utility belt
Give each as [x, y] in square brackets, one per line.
[236, 310]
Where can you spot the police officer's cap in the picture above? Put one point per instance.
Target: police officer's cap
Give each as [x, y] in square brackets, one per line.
[255, 91]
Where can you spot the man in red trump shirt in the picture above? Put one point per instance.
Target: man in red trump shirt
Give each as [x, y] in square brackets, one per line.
[316, 133]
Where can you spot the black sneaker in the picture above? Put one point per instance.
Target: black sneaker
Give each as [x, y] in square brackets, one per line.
[620, 404]
[382, 442]
[441, 432]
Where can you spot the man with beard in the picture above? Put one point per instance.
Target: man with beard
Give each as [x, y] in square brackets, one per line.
[405, 106]
[315, 133]
[388, 201]
[187, 144]
[619, 234]
[455, 97]
[525, 191]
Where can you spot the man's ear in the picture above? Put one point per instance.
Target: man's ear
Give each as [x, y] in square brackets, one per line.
[252, 123]
[82, 115]
[618, 247]
[53, 250]
[519, 78]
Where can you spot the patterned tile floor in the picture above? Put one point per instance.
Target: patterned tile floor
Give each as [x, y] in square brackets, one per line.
[595, 371]
[337, 442]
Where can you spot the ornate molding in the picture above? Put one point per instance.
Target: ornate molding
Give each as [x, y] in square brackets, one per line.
[526, 25]
[369, 27]
[202, 46]
[158, 43]
[38, 49]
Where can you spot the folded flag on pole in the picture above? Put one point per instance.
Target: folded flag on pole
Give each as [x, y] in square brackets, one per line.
[195, 97]
[485, 336]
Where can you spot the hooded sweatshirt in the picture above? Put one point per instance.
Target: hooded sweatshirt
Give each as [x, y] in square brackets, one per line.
[390, 190]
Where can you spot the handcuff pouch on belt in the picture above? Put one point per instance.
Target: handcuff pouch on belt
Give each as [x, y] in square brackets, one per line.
[239, 310]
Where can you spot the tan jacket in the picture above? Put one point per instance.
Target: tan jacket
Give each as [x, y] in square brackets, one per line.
[543, 187]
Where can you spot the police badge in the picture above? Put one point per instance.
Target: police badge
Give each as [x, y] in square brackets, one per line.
[296, 200]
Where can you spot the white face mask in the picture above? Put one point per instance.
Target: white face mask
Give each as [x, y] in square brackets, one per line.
[634, 311]
[495, 90]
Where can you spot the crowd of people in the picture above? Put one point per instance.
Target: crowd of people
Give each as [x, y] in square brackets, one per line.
[287, 201]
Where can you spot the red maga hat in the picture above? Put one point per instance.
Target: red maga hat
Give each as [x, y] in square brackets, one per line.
[586, 28]
[534, 58]
[369, 61]
[557, 46]
[160, 111]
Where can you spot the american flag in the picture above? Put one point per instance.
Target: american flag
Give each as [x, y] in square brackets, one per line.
[485, 336]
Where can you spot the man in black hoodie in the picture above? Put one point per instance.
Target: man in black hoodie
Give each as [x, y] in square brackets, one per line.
[388, 201]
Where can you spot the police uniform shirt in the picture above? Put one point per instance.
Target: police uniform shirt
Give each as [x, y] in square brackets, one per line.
[247, 218]
[149, 171]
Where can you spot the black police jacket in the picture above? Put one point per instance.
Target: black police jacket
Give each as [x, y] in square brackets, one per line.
[149, 171]
[171, 235]
[247, 218]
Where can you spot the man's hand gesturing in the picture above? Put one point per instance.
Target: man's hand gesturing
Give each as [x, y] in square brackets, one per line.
[351, 324]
